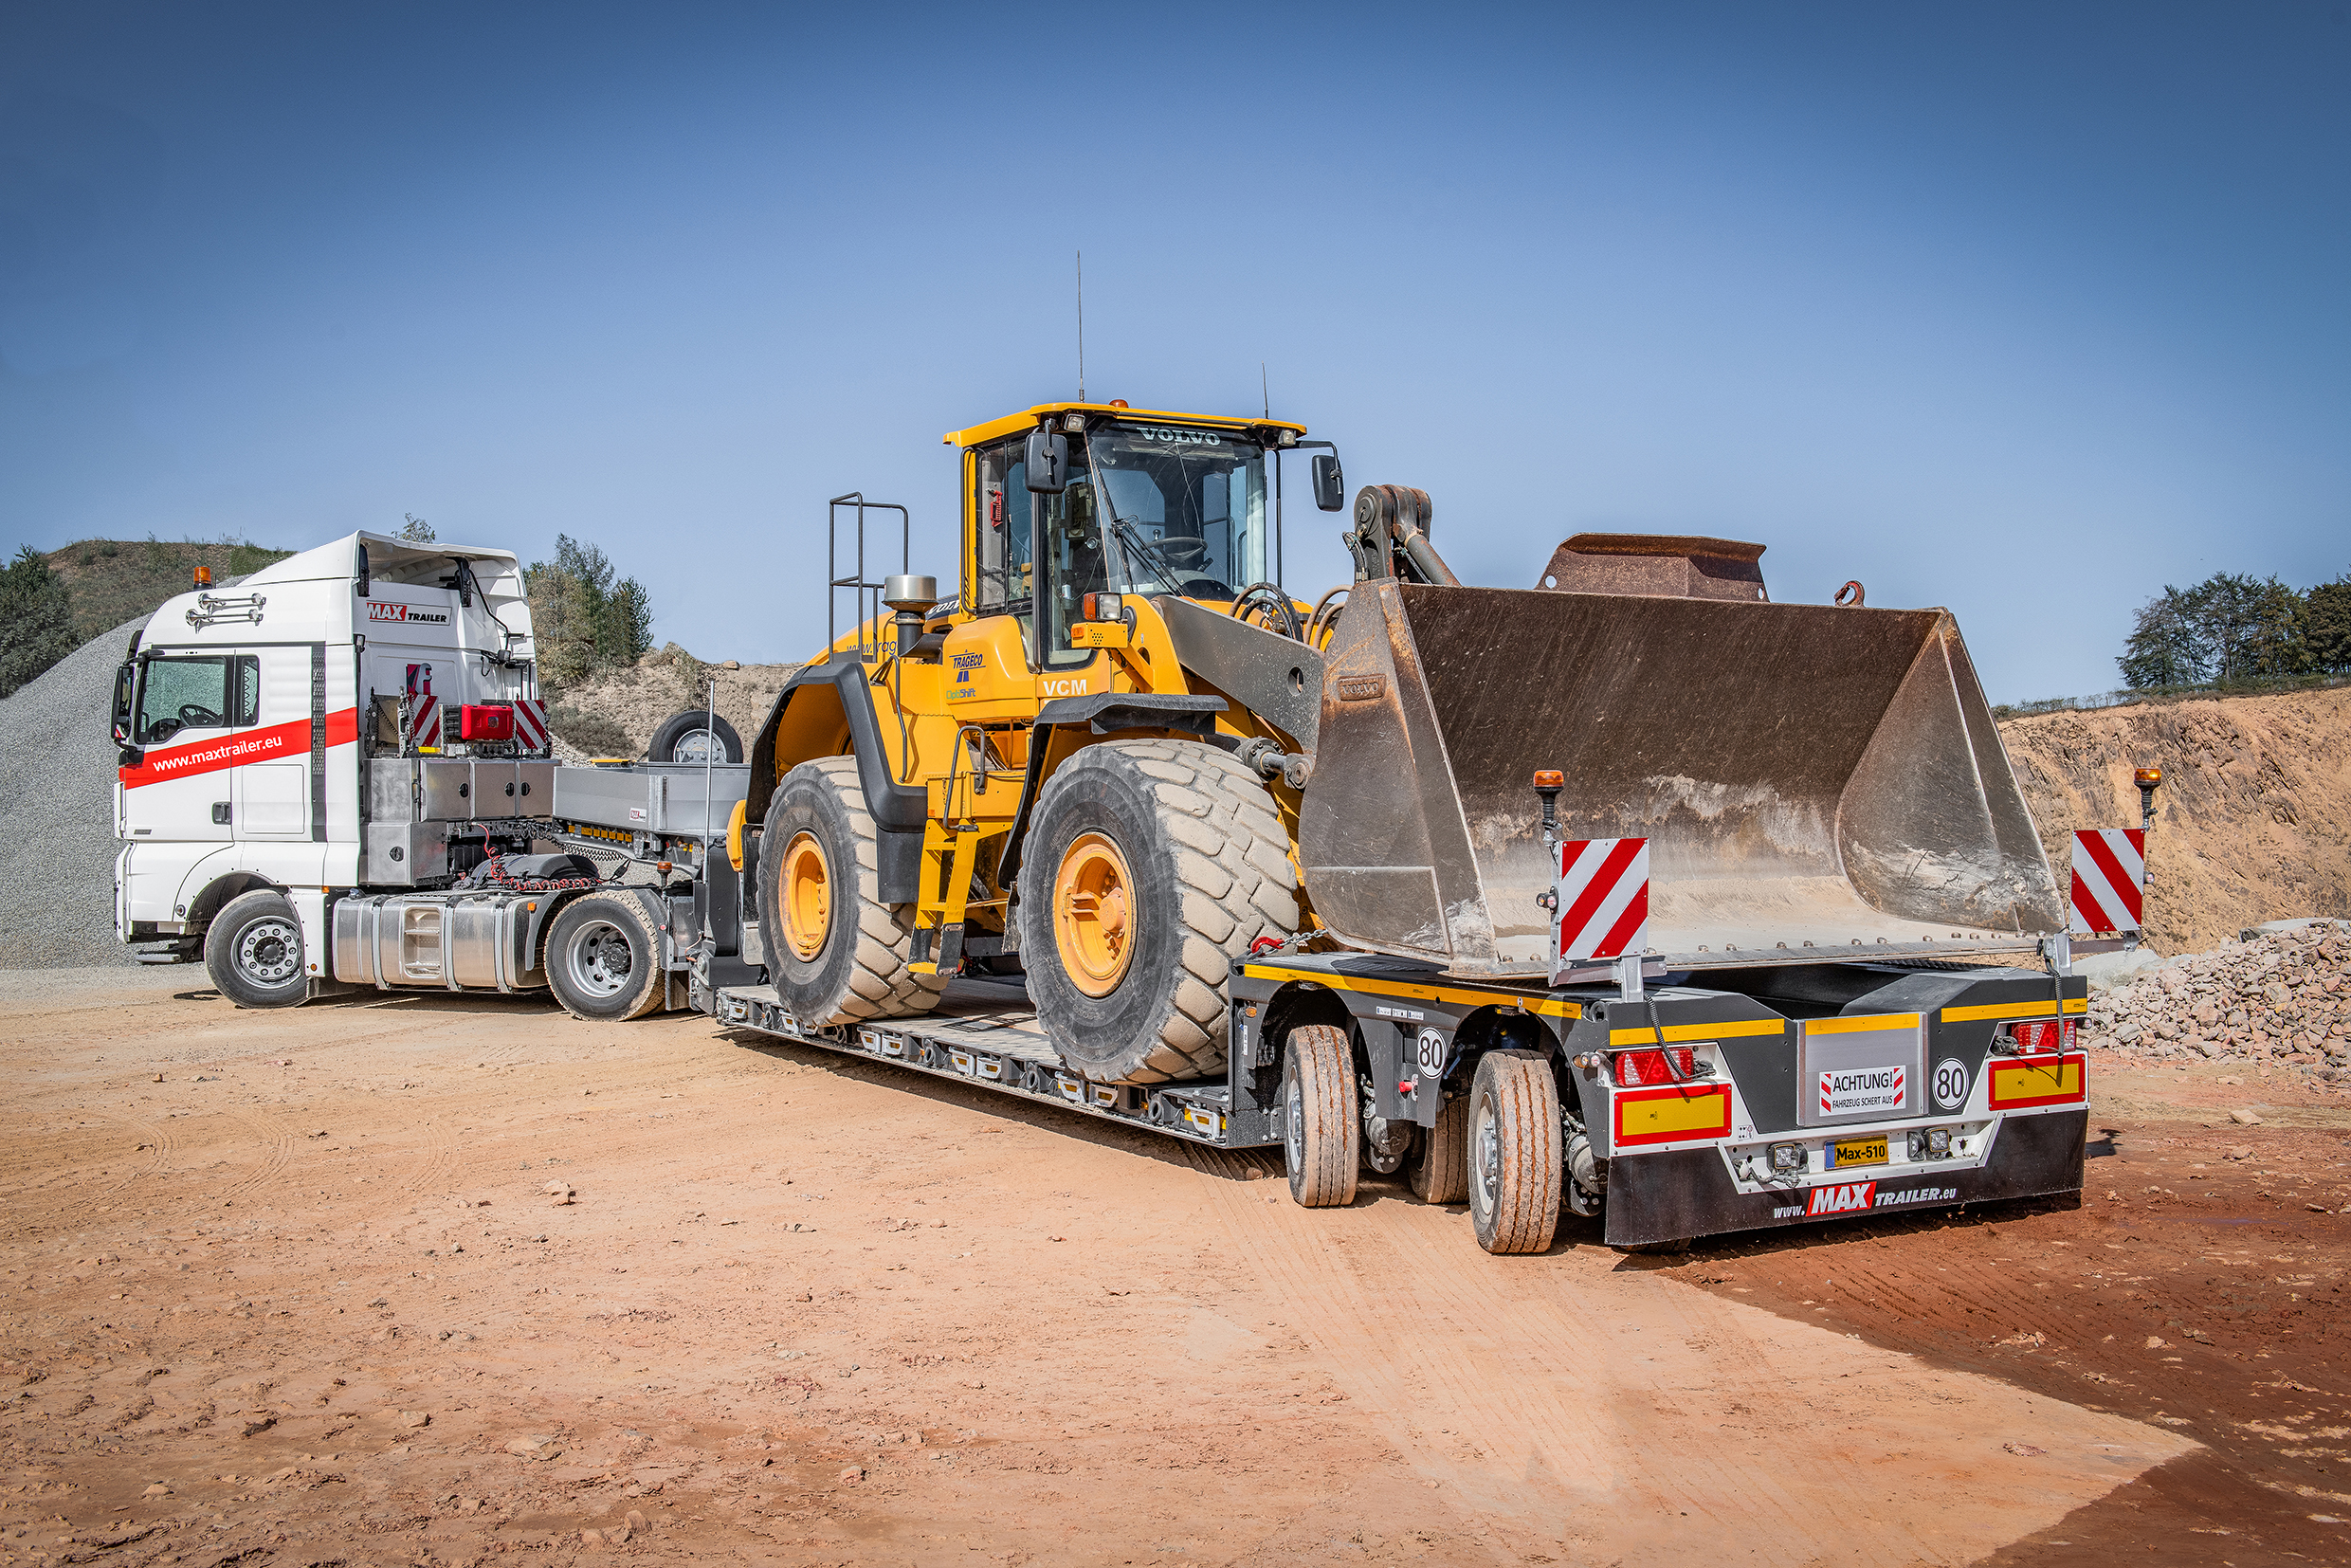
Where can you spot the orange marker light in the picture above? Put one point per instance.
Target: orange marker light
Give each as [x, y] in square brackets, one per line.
[204, 576]
[1550, 778]
[2150, 777]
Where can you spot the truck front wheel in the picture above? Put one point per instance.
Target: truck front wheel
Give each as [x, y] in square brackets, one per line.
[604, 958]
[254, 951]
[1513, 1152]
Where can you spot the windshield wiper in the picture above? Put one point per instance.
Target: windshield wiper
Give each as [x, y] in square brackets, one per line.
[1128, 536]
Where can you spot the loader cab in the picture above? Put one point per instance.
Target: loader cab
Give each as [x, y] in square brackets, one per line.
[1154, 504]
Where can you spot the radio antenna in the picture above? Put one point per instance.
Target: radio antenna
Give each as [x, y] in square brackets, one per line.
[1266, 387]
[1081, 327]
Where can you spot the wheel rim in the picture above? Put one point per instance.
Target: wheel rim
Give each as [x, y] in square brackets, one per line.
[697, 746]
[807, 896]
[1094, 915]
[1293, 1126]
[1485, 1145]
[600, 958]
[269, 952]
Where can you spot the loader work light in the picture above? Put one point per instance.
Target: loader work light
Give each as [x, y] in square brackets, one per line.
[1787, 1158]
[1105, 607]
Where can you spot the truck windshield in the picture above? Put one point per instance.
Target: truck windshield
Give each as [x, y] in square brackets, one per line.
[1185, 509]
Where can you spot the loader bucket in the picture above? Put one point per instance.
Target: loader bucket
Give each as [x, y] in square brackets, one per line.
[1804, 776]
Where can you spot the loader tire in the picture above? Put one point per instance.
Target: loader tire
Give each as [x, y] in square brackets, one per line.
[1513, 1152]
[1150, 867]
[836, 954]
[1440, 1170]
[1321, 1134]
[253, 951]
[604, 959]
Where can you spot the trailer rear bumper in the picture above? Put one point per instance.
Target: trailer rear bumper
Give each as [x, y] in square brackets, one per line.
[1679, 1193]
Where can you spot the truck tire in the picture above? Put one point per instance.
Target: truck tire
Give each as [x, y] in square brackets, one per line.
[688, 732]
[1150, 867]
[603, 959]
[1440, 1171]
[1321, 1132]
[253, 951]
[1513, 1152]
[836, 954]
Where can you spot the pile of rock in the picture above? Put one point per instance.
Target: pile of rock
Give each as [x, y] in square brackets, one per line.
[2283, 998]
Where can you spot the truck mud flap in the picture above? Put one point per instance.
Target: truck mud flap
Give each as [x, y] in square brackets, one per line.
[1686, 1192]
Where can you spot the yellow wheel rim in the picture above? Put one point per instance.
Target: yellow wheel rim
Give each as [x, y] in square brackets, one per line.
[806, 895]
[1094, 915]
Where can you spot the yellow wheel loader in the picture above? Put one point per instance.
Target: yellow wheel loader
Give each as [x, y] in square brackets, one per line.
[1631, 894]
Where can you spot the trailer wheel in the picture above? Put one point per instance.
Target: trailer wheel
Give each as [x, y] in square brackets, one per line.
[1320, 1131]
[253, 951]
[835, 953]
[692, 735]
[1440, 1171]
[1513, 1152]
[1150, 867]
[604, 958]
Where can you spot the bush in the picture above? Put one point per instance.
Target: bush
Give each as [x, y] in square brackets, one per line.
[36, 619]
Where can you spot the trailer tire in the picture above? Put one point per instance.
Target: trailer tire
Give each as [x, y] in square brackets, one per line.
[1181, 840]
[1440, 1171]
[1322, 1132]
[253, 951]
[680, 729]
[840, 954]
[603, 960]
[1513, 1152]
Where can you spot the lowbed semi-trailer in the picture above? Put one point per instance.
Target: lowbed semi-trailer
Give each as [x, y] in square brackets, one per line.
[340, 775]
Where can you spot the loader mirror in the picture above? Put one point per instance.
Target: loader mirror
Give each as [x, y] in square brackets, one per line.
[1330, 484]
[1048, 462]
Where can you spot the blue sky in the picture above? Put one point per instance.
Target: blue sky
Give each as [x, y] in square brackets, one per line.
[2025, 310]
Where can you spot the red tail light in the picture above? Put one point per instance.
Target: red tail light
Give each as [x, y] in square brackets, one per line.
[1638, 1068]
[2040, 1036]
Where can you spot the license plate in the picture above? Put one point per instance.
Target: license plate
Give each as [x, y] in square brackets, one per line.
[1857, 1151]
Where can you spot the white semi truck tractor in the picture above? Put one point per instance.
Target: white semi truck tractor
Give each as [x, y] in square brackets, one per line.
[337, 772]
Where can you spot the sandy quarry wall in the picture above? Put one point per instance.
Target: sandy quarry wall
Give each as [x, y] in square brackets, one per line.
[2253, 819]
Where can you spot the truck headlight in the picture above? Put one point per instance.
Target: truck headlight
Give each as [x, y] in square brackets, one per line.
[1787, 1158]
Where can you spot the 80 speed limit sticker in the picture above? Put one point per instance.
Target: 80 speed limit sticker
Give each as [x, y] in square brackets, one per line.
[1950, 1084]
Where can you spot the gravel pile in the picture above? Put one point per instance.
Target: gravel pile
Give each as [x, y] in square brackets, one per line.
[2282, 999]
[57, 780]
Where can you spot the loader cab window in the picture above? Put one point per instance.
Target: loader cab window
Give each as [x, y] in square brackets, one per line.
[205, 692]
[1185, 509]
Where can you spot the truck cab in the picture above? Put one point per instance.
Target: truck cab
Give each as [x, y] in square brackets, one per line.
[244, 717]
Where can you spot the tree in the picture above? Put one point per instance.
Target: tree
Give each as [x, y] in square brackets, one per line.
[2326, 626]
[2252, 625]
[2167, 646]
[36, 619]
[582, 620]
[416, 530]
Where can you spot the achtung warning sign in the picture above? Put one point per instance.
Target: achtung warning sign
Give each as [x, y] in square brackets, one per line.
[1854, 1091]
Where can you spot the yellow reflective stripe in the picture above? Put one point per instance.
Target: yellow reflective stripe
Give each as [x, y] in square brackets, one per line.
[1740, 1030]
[1416, 993]
[2011, 1009]
[1867, 1025]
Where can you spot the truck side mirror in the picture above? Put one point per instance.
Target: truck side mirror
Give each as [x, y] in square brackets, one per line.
[126, 688]
[1048, 462]
[1330, 483]
[363, 583]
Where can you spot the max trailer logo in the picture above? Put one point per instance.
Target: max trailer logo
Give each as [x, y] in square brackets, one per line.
[379, 610]
[1853, 1197]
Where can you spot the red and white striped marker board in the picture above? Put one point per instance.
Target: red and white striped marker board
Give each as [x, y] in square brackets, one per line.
[1603, 901]
[2109, 879]
[425, 724]
[531, 723]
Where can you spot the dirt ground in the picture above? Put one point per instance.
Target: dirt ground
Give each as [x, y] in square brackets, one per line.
[2252, 821]
[290, 1289]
